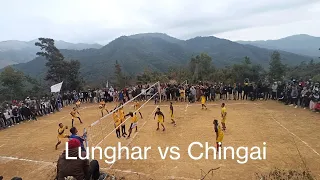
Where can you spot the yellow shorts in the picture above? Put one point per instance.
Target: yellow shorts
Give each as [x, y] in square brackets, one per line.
[172, 116]
[220, 138]
[160, 121]
[75, 117]
[116, 125]
[62, 137]
[223, 120]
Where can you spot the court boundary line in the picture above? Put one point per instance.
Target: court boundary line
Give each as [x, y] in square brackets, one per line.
[28, 160]
[48, 124]
[198, 104]
[79, 110]
[136, 134]
[296, 136]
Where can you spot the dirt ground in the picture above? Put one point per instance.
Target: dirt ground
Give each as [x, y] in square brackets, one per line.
[27, 150]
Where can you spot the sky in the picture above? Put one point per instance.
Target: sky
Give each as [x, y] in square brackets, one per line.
[101, 21]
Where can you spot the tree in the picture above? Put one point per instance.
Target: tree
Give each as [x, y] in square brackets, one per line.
[145, 77]
[57, 67]
[12, 81]
[73, 79]
[311, 62]
[276, 69]
[316, 78]
[36, 88]
[180, 74]
[200, 66]
[120, 81]
[247, 60]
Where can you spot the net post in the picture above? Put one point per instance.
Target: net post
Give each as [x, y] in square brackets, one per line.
[184, 88]
[85, 136]
[159, 92]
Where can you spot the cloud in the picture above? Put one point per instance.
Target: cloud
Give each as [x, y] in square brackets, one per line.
[105, 20]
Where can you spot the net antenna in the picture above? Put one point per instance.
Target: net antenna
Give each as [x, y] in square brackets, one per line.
[184, 83]
[159, 91]
[90, 136]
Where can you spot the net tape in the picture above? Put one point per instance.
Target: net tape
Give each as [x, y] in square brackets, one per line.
[94, 123]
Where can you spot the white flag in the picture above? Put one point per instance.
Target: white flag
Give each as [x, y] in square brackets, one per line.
[107, 84]
[56, 87]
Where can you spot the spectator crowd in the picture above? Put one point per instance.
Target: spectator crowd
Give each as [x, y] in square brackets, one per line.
[15, 112]
[304, 94]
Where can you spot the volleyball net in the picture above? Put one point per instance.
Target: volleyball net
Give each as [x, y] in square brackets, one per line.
[104, 127]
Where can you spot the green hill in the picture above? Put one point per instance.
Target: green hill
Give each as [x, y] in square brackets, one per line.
[14, 52]
[157, 52]
[299, 44]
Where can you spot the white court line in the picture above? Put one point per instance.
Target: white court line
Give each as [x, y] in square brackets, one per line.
[296, 137]
[197, 104]
[51, 122]
[214, 104]
[79, 110]
[144, 174]
[27, 160]
[136, 133]
[186, 107]
[153, 105]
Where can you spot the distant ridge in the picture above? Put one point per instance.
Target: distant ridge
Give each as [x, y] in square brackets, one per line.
[14, 52]
[158, 52]
[300, 44]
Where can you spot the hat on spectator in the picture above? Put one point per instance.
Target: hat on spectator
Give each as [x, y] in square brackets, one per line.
[73, 143]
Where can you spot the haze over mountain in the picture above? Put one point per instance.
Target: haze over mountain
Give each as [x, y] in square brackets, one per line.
[300, 44]
[14, 52]
[157, 51]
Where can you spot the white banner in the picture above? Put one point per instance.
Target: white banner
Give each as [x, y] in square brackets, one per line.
[56, 87]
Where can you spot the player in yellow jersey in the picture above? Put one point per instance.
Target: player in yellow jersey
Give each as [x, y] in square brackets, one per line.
[160, 119]
[61, 134]
[136, 107]
[223, 116]
[134, 122]
[182, 95]
[78, 104]
[75, 114]
[103, 107]
[203, 102]
[117, 123]
[219, 134]
[122, 120]
[171, 115]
